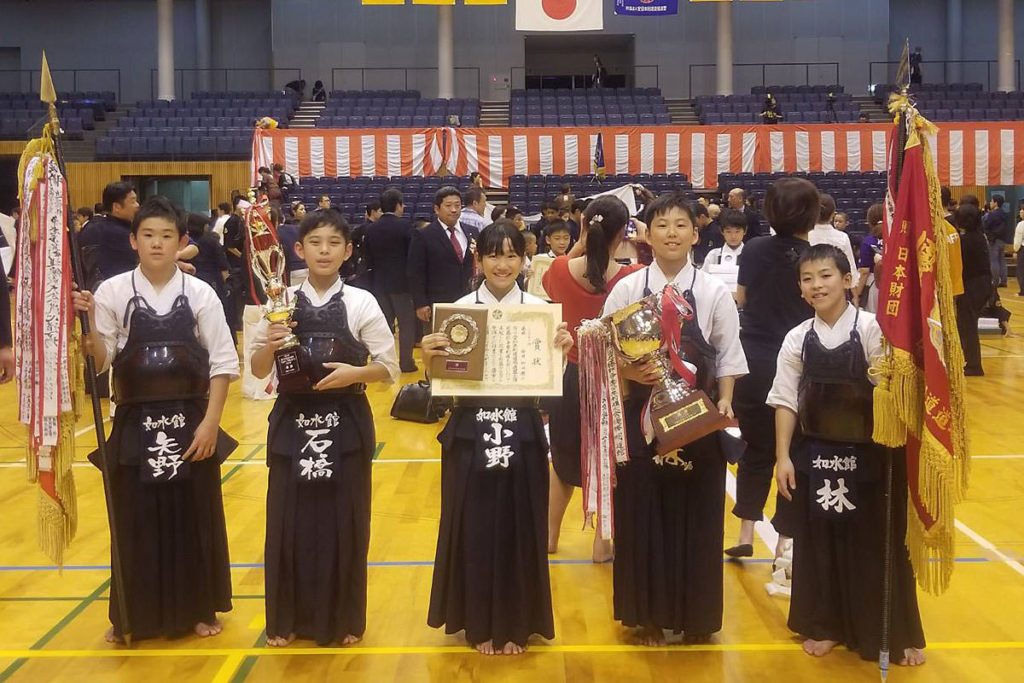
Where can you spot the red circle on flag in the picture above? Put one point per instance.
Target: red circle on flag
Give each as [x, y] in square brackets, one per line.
[559, 9]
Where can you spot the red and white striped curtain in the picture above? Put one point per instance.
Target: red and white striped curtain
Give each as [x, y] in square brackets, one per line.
[967, 153]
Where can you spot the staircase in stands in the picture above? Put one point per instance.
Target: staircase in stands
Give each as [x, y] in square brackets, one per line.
[876, 112]
[307, 114]
[84, 150]
[682, 112]
[493, 114]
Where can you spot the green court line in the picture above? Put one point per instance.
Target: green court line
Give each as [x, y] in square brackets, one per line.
[376, 451]
[88, 600]
[234, 469]
[249, 662]
[57, 628]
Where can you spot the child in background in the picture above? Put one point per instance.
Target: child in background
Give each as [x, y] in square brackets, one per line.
[558, 238]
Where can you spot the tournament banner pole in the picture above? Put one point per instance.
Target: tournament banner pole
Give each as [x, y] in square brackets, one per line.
[49, 96]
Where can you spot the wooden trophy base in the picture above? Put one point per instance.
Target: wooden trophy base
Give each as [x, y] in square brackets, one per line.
[682, 422]
[294, 374]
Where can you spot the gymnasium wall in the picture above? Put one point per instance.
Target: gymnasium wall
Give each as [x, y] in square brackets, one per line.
[121, 34]
[924, 23]
[320, 34]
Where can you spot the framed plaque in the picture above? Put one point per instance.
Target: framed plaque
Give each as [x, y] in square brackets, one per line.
[538, 266]
[466, 327]
[517, 350]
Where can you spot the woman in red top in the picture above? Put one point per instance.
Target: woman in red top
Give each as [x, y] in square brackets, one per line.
[580, 281]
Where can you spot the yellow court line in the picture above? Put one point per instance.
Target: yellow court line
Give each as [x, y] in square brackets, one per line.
[238, 653]
[227, 670]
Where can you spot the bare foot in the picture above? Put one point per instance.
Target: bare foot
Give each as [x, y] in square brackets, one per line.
[553, 540]
[513, 649]
[110, 637]
[819, 648]
[603, 551]
[650, 636]
[206, 630]
[485, 648]
[350, 639]
[912, 657]
[278, 641]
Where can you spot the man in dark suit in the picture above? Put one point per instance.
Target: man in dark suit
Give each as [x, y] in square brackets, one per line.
[738, 202]
[385, 252]
[441, 255]
[999, 233]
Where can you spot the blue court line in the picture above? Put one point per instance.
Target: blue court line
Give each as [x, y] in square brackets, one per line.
[398, 563]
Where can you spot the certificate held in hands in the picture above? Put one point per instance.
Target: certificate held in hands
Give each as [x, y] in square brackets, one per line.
[466, 327]
[498, 351]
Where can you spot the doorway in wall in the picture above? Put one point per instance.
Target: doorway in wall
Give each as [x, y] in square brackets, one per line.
[567, 60]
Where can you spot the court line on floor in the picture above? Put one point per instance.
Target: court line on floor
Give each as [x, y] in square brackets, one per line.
[989, 546]
[455, 649]
[90, 428]
[764, 528]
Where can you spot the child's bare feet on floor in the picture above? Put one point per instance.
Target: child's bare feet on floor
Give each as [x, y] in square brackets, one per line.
[819, 648]
[485, 648]
[912, 657]
[651, 636]
[206, 630]
[603, 551]
[513, 649]
[110, 637]
[350, 639]
[278, 641]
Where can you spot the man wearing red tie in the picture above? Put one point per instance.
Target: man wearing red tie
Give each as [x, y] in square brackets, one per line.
[441, 255]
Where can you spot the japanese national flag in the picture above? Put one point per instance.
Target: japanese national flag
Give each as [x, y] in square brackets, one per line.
[559, 15]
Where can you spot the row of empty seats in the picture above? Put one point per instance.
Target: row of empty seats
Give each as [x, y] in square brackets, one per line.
[222, 145]
[811, 106]
[395, 109]
[596, 107]
[350, 195]
[853, 192]
[22, 114]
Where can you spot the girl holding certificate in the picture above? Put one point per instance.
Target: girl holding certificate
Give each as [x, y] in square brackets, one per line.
[491, 569]
[668, 522]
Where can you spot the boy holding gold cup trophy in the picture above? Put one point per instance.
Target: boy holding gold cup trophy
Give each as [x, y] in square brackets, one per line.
[657, 377]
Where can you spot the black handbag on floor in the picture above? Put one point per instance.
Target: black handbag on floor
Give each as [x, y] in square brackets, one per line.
[414, 403]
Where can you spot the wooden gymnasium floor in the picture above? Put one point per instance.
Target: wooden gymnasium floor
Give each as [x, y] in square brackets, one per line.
[52, 623]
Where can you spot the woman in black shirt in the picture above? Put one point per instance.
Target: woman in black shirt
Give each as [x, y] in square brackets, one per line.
[977, 285]
[769, 296]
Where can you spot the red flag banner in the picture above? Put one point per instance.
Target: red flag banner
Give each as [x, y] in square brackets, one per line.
[919, 400]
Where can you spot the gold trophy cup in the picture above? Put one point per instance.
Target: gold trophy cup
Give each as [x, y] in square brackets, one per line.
[679, 413]
[268, 264]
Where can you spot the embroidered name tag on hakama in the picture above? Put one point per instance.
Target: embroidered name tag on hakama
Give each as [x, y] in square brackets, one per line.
[833, 473]
[497, 438]
[165, 438]
[318, 446]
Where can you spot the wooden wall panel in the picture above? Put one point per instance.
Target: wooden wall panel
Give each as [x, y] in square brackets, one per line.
[87, 180]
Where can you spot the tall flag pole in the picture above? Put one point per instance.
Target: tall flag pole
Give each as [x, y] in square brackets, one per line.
[48, 345]
[919, 400]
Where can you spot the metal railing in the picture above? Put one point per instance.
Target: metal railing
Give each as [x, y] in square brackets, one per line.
[188, 81]
[765, 66]
[396, 78]
[890, 72]
[64, 80]
[640, 77]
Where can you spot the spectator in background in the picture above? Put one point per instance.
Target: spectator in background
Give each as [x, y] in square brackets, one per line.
[863, 118]
[576, 217]
[210, 262]
[1018, 249]
[476, 180]
[319, 94]
[288, 233]
[498, 213]
[323, 203]
[269, 186]
[548, 214]
[840, 221]
[355, 269]
[440, 260]
[105, 244]
[824, 233]
[565, 196]
[600, 73]
[6, 340]
[234, 250]
[949, 206]
[97, 208]
[386, 251]
[737, 199]
[997, 229]
[915, 66]
[285, 181]
[474, 202]
[978, 285]
[709, 234]
[223, 213]
[865, 292]
[515, 214]
[82, 217]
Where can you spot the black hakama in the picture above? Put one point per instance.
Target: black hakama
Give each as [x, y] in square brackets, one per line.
[491, 569]
[668, 535]
[837, 564]
[564, 428]
[318, 532]
[171, 535]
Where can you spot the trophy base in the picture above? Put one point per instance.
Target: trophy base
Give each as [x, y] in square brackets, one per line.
[678, 423]
[293, 372]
